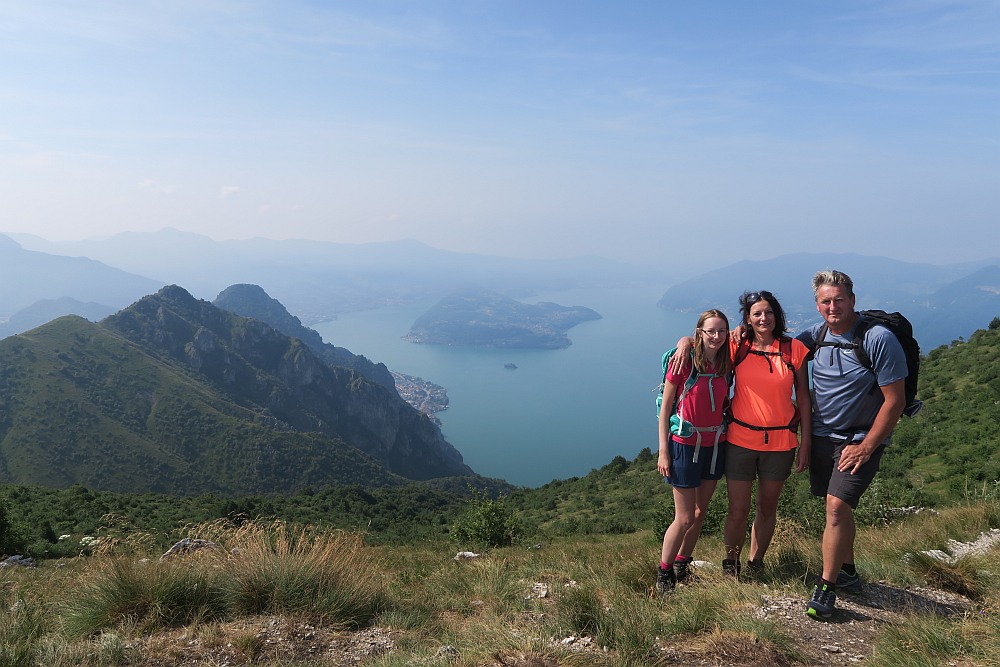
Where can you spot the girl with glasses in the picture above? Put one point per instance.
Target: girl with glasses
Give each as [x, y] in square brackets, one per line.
[692, 454]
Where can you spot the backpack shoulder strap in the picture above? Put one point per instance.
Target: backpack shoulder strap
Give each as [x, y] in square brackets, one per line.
[785, 347]
[692, 379]
[864, 324]
[820, 339]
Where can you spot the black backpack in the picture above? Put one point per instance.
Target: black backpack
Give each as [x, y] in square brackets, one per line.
[903, 331]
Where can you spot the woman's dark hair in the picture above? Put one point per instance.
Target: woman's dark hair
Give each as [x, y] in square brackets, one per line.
[748, 299]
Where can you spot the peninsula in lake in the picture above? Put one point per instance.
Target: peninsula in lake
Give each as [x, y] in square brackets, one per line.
[482, 318]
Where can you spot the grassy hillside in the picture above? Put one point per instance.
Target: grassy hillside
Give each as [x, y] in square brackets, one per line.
[952, 448]
[275, 595]
[574, 587]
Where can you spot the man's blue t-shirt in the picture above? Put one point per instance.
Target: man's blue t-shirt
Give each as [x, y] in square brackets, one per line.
[846, 397]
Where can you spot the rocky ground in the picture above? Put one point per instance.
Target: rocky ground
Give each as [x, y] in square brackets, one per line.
[847, 639]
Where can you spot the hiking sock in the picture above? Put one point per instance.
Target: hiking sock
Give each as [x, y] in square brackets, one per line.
[663, 565]
[849, 568]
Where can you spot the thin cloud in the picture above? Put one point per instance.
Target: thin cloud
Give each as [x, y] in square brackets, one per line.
[149, 185]
[228, 191]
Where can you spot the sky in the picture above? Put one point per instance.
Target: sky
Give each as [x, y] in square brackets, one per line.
[649, 132]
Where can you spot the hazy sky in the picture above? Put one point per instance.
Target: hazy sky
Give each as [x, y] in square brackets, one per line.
[633, 130]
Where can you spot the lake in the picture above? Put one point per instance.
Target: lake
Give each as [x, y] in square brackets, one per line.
[561, 413]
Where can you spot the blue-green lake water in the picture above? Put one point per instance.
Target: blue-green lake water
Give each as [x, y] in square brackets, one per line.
[561, 413]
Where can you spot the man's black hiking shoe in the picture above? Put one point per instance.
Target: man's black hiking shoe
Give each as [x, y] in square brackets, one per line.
[666, 581]
[731, 567]
[681, 566]
[822, 602]
[849, 583]
[755, 567]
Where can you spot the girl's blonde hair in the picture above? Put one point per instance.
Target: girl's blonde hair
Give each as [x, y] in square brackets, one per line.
[723, 364]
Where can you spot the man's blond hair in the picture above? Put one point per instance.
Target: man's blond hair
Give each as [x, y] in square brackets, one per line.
[832, 277]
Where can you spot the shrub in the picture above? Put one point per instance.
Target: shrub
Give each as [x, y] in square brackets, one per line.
[326, 575]
[487, 522]
[151, 595]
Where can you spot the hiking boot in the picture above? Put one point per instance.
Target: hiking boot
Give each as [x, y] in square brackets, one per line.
[849, 583]
[755, 567]
[822, 602]
[666, 581]
[731, 566]
[681, 565]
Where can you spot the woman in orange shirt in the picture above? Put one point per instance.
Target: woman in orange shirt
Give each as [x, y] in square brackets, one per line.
[770, 403]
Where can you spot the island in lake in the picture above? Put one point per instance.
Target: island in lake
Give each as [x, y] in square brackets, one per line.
[481, 318]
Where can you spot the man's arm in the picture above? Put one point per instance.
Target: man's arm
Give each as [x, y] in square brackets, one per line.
[885, 421]
[803, 401]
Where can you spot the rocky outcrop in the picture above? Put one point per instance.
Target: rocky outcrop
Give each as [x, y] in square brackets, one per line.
[253, 302]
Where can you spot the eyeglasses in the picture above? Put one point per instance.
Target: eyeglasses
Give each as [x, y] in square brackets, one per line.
[714, 332]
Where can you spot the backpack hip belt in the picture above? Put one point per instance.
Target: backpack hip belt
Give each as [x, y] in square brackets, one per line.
[698, 430]
[792, 426]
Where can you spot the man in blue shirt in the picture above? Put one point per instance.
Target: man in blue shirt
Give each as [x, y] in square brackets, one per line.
[854, 413]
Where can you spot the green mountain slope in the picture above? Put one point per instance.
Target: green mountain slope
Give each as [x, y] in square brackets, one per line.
[175, 395]
[952, 447]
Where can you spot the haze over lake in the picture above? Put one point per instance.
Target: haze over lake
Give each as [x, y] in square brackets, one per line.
[562, 412]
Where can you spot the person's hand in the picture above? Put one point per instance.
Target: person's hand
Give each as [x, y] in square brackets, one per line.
[681, 361]
[802, 456]
[853, 457]
[663, 465]
[737, 335]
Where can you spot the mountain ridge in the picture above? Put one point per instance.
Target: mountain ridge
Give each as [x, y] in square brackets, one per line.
[175, 389]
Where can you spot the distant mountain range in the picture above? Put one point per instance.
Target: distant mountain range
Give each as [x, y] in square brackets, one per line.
[944, 303]
[173, 394]
[316, 281]
[28, 277]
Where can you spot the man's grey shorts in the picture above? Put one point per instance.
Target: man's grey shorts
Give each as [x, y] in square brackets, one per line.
[826, 480]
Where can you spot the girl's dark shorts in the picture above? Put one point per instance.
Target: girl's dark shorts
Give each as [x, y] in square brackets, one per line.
[825, 479]
[685, 473]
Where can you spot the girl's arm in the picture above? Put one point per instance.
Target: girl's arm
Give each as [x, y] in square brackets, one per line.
[666, 409]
